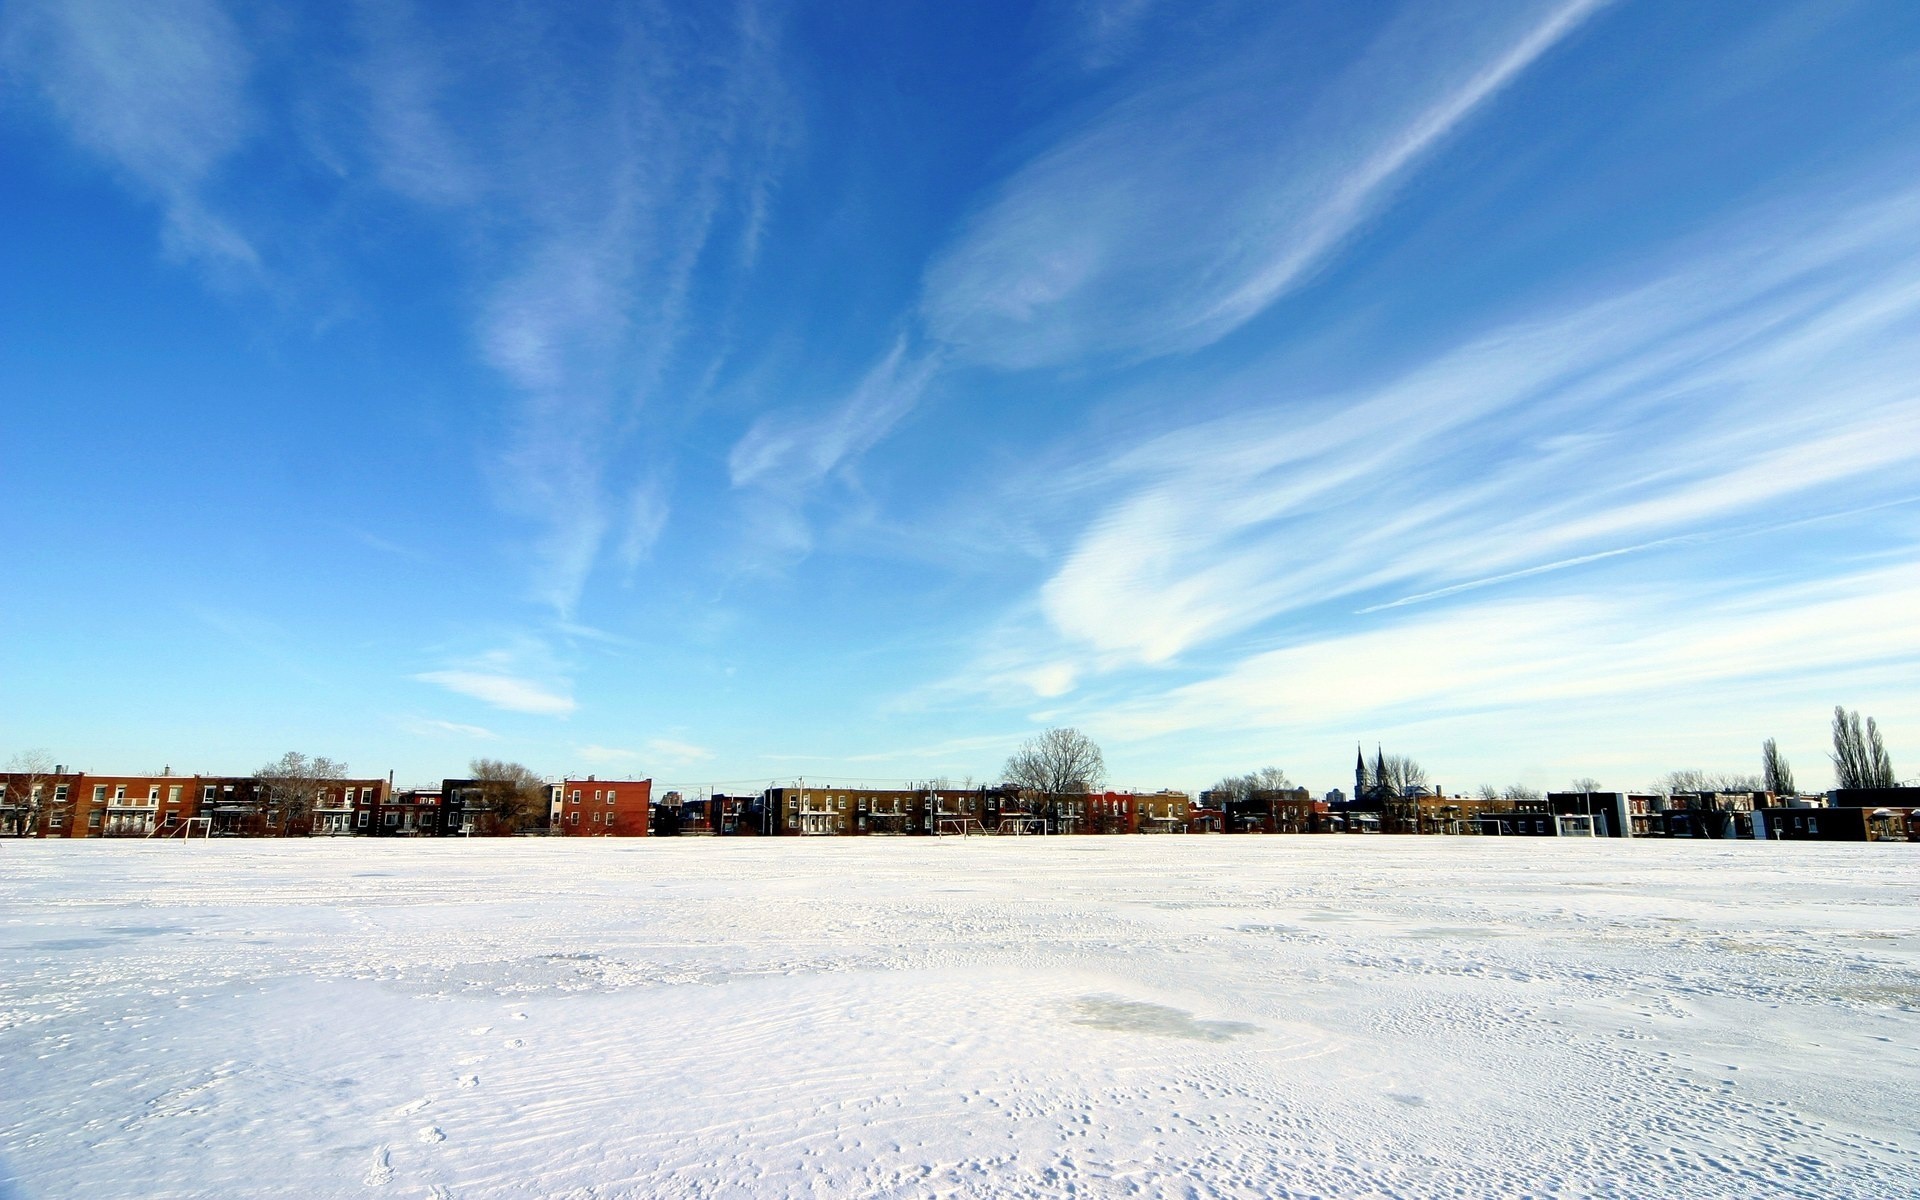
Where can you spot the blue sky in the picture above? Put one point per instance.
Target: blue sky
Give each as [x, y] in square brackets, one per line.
[725, 392]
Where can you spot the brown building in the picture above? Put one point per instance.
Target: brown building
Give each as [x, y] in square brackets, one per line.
[1162, 812]
[1850, 824]
[593, 807]
[336, 809]
[27, 798]
[74, 804]
[414, 812]
[815, 811]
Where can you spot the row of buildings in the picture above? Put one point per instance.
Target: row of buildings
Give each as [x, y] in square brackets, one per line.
[78, 804]
[74, 804]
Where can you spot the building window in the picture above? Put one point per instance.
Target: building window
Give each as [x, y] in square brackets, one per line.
[609, 795]
[120, 791]
[392, 820]
[59, 793]
[153, 792]
[173, 794]
[93, 819]
[360, 819]
[99, 792]
[208, 793]
[58, 821]
[351, 793]
[1813, 824]
[576, 796]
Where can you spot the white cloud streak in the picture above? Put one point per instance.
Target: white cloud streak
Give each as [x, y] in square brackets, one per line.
[669, 750]
[1078, 256]
[432, 727]
[785, 455]
[788, 451]
[511, 693]
[588, 176]
[156, 90]
[1554, 651]
[1777, 369]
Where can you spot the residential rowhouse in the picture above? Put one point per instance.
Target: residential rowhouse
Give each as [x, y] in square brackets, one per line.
[1162, 812]
[1098, 813]
[1608, 814]
[410, 812]
[1522, 818]
[1266, 810]
[74, 804]
[1707, 814]
[738, 816]
[594, 807]
[339, 803]
[1829, 824]
[29, 798]
[807, 810]
[954, 810]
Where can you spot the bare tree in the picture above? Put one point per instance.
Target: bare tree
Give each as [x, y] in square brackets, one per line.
[1487, 791]
[1586, 783]
[512, 796]
[294, 783]
[1056, 762]
[1860, 759]
[1695, 780]
[32, 789]
[1520, 791]
[1401, 774]
[1241, 788]
[1774, 771]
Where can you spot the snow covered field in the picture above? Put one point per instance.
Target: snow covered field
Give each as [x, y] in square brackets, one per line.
[1196, 1016]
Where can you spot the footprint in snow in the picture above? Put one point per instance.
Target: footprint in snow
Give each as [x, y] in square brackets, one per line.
[381, 1173]
[469, 1081]
[430, 1134]
[407, 1110]
[515, 1043]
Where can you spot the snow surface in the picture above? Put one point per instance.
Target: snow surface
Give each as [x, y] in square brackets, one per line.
[1201, 1016]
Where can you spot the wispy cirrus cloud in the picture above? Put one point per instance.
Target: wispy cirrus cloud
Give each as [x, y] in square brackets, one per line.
[1778, 367]
[520, 674]
[787, 453]
[591, 169]
[1078, 256]
[509, 692]
[157, 91]
[433, 727]
[1610, 651]
[671, 751]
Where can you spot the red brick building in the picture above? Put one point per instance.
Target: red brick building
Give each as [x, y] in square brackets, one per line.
[414, 812]
[71, 804]
[604, 807]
